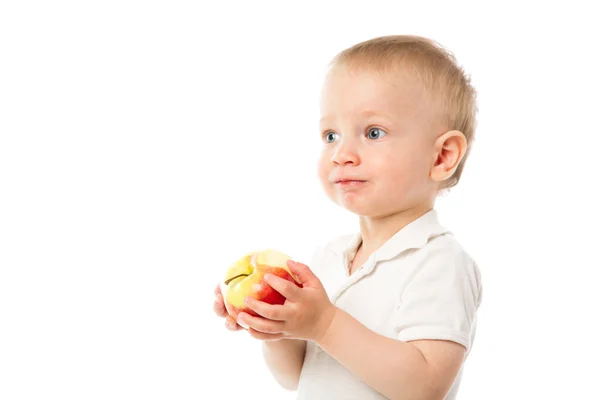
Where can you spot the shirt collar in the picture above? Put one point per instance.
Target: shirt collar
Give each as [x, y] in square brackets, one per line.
[413, 236]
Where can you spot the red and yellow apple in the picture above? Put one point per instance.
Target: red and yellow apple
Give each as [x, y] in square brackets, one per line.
[245, 277]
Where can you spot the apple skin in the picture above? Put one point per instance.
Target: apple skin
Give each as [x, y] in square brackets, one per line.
[255, 265]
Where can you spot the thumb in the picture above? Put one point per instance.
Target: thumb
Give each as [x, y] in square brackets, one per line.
[303, 273]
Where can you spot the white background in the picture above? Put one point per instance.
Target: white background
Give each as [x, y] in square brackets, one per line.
[146, 145]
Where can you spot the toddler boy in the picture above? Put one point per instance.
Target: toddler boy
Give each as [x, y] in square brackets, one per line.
[388, 312]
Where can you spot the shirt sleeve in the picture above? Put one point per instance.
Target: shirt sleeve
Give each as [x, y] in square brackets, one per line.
[441, 300]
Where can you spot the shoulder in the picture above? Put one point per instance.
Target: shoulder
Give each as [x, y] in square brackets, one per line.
[447, 250]
[444, 260]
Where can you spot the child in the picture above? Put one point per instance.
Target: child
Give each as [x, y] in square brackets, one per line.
[389, 312]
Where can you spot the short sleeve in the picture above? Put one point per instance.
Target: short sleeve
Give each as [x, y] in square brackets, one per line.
[441, 300]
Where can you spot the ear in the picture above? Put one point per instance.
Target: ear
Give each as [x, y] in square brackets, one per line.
[449, 150]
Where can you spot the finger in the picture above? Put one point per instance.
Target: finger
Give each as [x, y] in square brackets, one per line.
[219, 306]
[260, 324]
[271, 311]
[303, 272]
[287, 289]
[218, 289]
[265, 336]
[231, 324]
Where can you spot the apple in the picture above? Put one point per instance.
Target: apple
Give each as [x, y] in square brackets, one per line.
[244, 277]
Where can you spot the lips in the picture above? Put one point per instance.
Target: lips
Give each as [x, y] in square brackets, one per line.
[349, 183]
[348, 180]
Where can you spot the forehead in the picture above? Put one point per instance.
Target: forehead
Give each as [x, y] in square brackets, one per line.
[347, 91]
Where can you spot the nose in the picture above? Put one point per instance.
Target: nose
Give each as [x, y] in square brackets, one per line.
[345, 153]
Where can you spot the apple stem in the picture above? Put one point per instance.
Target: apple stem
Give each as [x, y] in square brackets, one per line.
[235, 277]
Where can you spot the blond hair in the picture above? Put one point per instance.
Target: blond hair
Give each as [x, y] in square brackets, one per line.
[444, 80]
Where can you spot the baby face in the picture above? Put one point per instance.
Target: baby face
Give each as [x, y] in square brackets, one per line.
[378, 141]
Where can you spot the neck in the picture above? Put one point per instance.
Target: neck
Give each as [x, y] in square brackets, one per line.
[375, 231]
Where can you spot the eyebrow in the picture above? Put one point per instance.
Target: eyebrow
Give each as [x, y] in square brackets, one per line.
[325, 118]
[366, 113]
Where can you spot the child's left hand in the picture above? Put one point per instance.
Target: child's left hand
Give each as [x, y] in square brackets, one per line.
[306, 313]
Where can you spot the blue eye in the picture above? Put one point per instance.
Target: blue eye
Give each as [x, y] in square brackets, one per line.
[376, 133]
[329, 136]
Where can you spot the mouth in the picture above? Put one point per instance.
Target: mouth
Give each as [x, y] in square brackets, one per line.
[349, 182]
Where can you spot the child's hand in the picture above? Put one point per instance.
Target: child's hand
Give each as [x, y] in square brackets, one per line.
[306, 313]
[221, 311]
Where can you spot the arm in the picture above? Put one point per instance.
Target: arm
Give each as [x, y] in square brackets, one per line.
[422, 369]
[284, 358]
[439, 304]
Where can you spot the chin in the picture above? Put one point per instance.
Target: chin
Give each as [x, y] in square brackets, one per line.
[361, 210]
[374, 211]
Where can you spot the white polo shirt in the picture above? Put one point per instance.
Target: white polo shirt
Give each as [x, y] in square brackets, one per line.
[421, 284]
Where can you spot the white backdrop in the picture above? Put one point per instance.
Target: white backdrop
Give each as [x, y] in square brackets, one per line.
[146, 145]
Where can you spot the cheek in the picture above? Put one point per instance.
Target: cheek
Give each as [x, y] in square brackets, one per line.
[324, 171]
[407, 171]
[323, 168]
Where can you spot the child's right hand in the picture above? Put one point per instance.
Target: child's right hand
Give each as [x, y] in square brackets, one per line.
[221, 311]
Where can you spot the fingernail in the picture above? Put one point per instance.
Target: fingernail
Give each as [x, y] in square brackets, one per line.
[248, 300]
